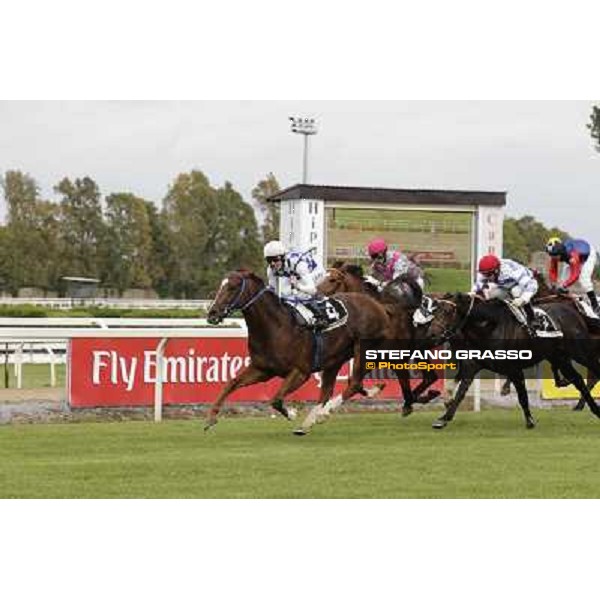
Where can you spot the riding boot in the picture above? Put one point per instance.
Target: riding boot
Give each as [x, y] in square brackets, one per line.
[594, 302]
[320, 312]
[531, 319]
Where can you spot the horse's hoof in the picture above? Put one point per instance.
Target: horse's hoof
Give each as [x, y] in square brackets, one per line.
[505, 390]
[210, 423]
[407, 411]
[300, 431]
[530, 424]
[439, 424]
[579, 407]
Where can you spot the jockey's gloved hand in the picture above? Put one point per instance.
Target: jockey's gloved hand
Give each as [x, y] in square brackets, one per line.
[370, 279]
[561, 289]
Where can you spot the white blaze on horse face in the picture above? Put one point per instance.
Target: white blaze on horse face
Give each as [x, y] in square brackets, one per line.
[223, 284]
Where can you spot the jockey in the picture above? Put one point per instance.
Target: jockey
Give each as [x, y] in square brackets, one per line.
[387, 265]
[507, 279]
[581, 260]
[293, 276]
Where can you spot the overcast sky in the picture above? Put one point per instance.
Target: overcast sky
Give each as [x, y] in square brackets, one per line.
[539, 152]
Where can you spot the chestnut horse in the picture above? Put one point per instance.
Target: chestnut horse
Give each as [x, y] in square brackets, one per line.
[400, 297]
[280, 347]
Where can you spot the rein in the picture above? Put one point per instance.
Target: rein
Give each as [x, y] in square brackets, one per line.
[229, 308]
[449, 332]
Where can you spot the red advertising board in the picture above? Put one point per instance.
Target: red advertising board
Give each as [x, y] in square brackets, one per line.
[106, 372]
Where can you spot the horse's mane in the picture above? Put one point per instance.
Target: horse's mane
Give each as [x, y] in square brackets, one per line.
[251, 275]
[355, 270]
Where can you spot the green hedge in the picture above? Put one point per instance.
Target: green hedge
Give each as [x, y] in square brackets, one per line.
[31, 310]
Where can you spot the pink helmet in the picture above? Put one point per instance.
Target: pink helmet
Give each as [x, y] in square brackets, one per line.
[377, 246]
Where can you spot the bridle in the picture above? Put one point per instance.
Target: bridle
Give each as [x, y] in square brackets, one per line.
[233, 305]
[449, 332]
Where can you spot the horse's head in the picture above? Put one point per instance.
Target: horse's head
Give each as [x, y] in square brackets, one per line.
[341, 278]
[404, 289]
[449, 314]
[237, 291]
[333, 282]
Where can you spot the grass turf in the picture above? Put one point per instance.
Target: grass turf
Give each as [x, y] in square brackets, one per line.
[489, 454]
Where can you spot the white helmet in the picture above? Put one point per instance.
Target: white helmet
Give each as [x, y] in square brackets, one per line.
[274, 248]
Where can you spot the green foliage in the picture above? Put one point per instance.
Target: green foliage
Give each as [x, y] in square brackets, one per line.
[82, 229]
[209, 231]
[524, 236]
[182, 250]
[33, 310]
[594, 126]
[28, 243]
[128, 243]
[269, 211]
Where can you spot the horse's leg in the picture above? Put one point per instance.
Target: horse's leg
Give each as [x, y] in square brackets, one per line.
[429, 378]
[407, 393]
[592, 380]
[247, 376]
[328, 378]
[559, 379]
[505, 389]
[570, 372]
[468, 372]
[291, 383]
[518, 380]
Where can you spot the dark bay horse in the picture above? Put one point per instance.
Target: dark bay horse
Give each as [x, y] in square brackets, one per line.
[280, 347]
[546, 294]
[400, 297]
[469, 322]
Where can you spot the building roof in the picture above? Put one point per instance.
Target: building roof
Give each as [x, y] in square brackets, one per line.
[338, 193]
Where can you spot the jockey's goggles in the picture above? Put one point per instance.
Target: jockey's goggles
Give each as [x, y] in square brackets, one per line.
[378, 256]
[273, 259]
[491, 273]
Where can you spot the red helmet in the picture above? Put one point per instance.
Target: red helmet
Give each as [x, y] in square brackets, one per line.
[377, 246]
[488, 264]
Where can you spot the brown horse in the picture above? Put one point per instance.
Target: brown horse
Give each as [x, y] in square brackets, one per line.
[280, 347]
[544, 295]
[400, 298]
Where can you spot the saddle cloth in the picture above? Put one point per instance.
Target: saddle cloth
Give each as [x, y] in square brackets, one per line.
[585, 308]
[545, 327]
[424, 313]
[337, 313]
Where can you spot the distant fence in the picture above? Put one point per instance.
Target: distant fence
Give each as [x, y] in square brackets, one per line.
[110, 302]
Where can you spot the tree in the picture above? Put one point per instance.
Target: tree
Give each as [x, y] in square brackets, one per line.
[30, 239]
[237, 239]
[269, 211]
[161, 256]
[208, 232]
[594, 126]
[190, 211]
[82, 230]
[128, 242]
[524, 236]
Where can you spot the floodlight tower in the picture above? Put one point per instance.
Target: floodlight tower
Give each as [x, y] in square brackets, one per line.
[304, 126]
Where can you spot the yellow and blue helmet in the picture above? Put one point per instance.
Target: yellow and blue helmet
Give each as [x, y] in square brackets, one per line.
[555, 246]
